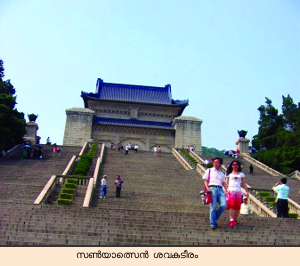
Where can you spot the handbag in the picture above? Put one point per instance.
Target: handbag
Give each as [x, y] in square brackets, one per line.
[206, 195]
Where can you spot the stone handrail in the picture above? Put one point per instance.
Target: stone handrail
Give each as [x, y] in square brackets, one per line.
[261, 165]
[13, 150]
[93, 181]
[50, 186]
[196, 157]
[295, 174]
[47, 190]
[85, 146]
[200, 169]
[184, 163]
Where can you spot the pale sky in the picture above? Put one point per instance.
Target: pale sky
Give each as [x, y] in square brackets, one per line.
[224, 56]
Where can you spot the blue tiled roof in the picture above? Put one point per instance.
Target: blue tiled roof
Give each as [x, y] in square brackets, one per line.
[131, 122]
[134, 93]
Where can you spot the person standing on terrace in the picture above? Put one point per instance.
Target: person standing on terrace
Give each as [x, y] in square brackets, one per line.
[215, 186]
[234, 178]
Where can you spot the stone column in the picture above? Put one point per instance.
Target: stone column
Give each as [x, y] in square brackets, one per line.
[243, 145]
[32, 129]
[78, 129]
[188, 132]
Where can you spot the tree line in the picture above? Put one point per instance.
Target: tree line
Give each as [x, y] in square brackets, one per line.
[278, 138]
[12, 122]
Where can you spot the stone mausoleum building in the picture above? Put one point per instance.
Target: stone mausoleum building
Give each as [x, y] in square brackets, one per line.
[143, 115]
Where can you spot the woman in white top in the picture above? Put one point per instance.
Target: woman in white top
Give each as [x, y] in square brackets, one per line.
[234, 178]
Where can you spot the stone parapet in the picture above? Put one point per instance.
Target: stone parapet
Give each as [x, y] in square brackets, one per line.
[78, 127]
[243, 145]
[188, 132]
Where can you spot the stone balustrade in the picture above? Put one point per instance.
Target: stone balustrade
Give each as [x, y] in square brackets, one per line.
[93, 181]
[184, 163]
[295, 174]
[261, 165]
[13, 151]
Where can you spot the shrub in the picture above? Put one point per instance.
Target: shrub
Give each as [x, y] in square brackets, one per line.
[293, 215]
[72, 181]
[263, 194]
[64, 202]
[191, 159]
[269, 199]
[273, 204]
[209, 165]
[80, 171]
[70, 185]
[68, 191]
[65, 196]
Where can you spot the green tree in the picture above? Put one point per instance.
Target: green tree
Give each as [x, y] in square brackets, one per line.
[291, 114]
[212, 152]
[12, 123]
[269, 122]
[278, 139]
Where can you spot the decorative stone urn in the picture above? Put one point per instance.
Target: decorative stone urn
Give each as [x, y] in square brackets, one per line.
[242, 133]
[32, 117]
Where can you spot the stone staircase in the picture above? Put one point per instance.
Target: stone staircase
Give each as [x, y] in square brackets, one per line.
[25, 178]
[264, 180]
[159, 205]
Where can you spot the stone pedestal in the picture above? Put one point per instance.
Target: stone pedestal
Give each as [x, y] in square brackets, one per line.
[188, 132]
[32, 129]
[243, 145]
[79, 125]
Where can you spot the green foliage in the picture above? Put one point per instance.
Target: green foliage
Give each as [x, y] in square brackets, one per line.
[209, 165]
[93, 149]
[65, 196]
[262, 194]
[273, 204]
[212, 152]
[192, 160]
[278, 139]
[293, 215]
[72, 181]
[12, 122]
[68, 191]
[63, 201]
[269, 199]
[70, 185]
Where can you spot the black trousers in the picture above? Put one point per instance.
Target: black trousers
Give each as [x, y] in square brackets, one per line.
[118, 192]
[282, 208]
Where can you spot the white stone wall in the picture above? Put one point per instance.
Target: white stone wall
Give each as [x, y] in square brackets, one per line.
[146, 141]
[188, 132]
[78, 127]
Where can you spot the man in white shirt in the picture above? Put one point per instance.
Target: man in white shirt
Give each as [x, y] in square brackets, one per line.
[103, 187]
[136, 147]
[245, 208]
[155, 150]
[215, 186]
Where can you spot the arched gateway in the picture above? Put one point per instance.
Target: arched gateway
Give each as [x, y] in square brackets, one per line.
[122, 113]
